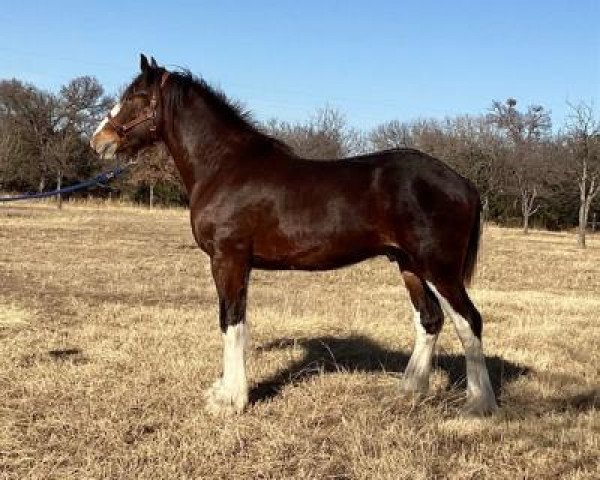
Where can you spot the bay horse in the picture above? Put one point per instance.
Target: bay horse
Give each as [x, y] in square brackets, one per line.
[255, 204]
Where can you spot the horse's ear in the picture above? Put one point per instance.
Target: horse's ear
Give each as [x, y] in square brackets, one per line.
[153, 63]
[144, 66]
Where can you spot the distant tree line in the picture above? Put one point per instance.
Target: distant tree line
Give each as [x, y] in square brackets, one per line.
[527, 173]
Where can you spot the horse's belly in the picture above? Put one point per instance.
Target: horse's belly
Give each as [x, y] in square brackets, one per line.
[317, 253]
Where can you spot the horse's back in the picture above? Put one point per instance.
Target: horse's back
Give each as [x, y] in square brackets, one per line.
[402, 168]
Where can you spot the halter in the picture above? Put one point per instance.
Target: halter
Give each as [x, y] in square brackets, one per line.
[148, 114]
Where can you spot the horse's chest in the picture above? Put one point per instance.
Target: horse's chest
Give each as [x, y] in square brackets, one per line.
[216, 232]
[204, 228]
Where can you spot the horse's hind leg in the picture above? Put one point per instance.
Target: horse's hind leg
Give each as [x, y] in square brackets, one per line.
[428, 319]
[467, 321]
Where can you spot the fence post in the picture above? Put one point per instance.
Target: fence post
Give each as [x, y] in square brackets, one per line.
[58, 187]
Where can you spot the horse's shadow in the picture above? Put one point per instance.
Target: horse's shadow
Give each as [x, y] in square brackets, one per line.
[359, 353]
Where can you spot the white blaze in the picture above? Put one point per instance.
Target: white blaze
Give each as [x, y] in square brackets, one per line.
[113, 112]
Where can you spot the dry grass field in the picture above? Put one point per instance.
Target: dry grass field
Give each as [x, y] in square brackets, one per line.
[109, 336]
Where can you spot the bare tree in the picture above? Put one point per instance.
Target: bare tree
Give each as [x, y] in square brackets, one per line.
[392, 134]
[9, 145]
[476, 150]
[45, 135]
[584, 141]
[154, 166]
[325, 136]
[82, 104]
[60, 151]
[527, 181]
[524, 132]
[79, 106]
[27, 116]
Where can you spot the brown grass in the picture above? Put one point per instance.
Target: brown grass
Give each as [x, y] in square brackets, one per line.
[108, 330]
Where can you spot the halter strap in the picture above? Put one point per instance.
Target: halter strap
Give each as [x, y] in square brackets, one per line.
[148, 114]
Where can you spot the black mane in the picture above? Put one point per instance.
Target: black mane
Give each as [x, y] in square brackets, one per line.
[230, 110]
[179, 85]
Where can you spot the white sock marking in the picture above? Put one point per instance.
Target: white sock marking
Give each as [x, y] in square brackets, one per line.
[234, 380]
[416, 375]
[479, 388]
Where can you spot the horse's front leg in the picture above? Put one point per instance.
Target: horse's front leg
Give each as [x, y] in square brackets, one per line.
[229, 394]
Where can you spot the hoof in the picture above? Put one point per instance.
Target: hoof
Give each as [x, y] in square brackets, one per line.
[222, 401]
[412, 386]
[480, 407]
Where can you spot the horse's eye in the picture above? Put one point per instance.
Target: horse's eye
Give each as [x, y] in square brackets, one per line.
[137, 94]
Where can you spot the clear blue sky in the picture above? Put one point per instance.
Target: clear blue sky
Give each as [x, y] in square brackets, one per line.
[374, 60]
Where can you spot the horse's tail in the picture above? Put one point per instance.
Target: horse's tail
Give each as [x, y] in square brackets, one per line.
[473, 246]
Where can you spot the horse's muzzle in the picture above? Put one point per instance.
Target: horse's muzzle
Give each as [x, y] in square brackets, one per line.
[105, 146]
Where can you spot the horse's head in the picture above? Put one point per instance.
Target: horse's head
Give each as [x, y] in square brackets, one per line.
[135, 121]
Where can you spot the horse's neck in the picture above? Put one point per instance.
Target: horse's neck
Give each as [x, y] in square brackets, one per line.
[199, 143]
